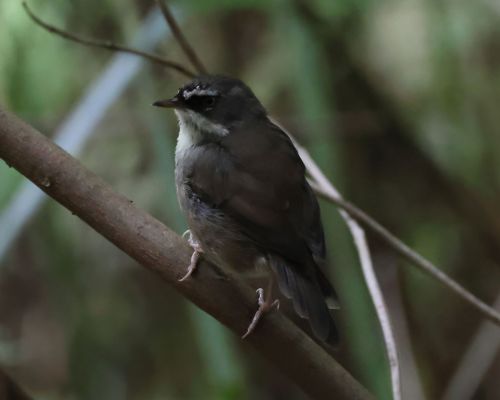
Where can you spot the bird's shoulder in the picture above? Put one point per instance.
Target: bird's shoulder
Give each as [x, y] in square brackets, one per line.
[263, 148]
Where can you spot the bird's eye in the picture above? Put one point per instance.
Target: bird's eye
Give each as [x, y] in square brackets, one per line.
[200, 103]
[209, 101]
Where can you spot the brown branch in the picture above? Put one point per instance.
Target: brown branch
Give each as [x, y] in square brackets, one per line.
[159, 249]
[406, 252]
[179, 36]
[9, 390]
[108, 45]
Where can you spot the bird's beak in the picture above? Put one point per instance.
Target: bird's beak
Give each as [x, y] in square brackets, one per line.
[174, 102]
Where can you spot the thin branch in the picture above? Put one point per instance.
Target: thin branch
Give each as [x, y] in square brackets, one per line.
[159, 249]
[381, 309]
[108, 45]
[412, 256]
[179, 36]
[359, 237]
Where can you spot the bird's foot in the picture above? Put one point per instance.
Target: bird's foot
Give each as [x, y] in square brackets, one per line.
[265, 305]
[197, 251]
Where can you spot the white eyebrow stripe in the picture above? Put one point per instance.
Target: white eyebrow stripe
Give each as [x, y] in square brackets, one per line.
[197, 91]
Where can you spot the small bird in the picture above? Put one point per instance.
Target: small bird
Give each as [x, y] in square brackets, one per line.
[242, 186]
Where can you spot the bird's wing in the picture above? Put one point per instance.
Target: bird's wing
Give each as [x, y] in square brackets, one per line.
[258, 179]
[273, 201]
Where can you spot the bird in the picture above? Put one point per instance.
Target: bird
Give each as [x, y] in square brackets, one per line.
[242, 186]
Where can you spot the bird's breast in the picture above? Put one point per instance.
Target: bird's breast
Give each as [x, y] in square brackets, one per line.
[187, 138]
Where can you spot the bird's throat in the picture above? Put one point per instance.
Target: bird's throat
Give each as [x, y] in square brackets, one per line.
[194, 128]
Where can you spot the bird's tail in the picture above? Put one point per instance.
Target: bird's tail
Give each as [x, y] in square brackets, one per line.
[329, 293]
[309, 297]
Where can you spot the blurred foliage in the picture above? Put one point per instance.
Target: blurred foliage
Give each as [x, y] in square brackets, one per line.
[397, 100]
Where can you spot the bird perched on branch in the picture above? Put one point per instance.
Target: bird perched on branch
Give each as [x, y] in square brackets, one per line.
[242, 186]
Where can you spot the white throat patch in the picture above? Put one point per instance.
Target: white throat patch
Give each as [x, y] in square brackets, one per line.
[191, 128]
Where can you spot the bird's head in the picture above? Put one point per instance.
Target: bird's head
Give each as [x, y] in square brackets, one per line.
[215, 104]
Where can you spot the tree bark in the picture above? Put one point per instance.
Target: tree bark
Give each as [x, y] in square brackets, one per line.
[159, 249]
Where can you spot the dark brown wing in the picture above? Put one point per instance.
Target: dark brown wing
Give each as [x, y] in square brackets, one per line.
[268, 193]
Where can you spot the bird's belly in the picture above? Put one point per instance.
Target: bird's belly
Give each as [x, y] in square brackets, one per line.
[221, 240]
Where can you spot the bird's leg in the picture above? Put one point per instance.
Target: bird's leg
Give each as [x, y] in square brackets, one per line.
[197, 251]
[265, 305]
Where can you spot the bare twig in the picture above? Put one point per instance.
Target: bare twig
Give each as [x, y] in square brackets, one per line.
[359, 237]
[160, 250]
[179, 36]
[381, 309]
[108, 45]
[412, 256]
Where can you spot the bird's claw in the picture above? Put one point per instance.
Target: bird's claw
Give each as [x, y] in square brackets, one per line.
[197, 251]
[264, 307]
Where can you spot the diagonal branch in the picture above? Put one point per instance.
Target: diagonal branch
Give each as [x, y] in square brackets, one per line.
[160, 250]
[105, 44]
[179, 36]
